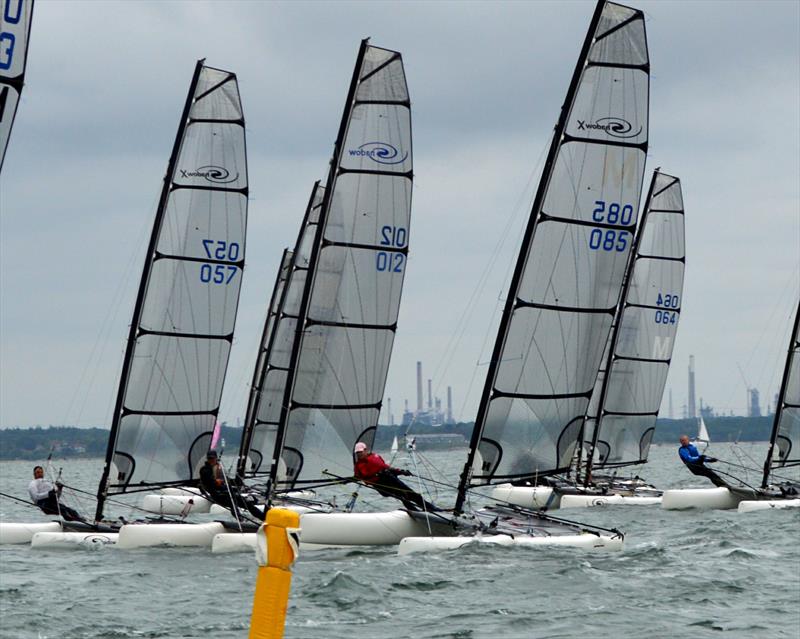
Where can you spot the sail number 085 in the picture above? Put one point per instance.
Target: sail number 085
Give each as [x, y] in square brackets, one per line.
[391, 262]
[610, 213]
[220, 250]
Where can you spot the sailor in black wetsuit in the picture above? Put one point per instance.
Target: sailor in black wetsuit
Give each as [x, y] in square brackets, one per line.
[216, 487]
[47, 496]
[696, 463]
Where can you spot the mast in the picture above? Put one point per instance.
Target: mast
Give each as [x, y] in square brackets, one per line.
[649, 310]
[347, 315]
[15, 34]
[788, 399]
[182, 327]
[613, 131]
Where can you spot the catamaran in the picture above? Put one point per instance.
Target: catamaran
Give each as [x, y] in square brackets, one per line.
[183, 320]
[15, 34]
[563, 294]
[621, 417]
[778, 489]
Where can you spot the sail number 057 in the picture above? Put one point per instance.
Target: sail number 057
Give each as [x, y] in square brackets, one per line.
[220, 250]
[391, 262]
[610, 213]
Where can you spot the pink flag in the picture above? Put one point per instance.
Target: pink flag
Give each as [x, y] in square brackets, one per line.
[215, 435]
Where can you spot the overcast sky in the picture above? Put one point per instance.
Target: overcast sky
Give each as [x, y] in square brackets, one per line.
[104, 90]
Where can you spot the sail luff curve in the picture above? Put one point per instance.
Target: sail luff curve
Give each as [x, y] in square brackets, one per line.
[182, 327]
[349, 315]
[15, 32]
[786, 427]
[568, 276]
[622, 418]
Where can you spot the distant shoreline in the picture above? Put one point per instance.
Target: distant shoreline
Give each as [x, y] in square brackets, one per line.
[72, 442]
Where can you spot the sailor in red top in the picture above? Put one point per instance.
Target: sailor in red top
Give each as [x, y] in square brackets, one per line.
[376, 473]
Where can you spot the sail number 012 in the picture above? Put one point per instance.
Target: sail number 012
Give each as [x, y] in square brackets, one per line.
[220, 250]
[391, 262]
[610, 213]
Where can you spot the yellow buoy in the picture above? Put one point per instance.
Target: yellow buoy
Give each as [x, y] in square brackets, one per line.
[276, 551]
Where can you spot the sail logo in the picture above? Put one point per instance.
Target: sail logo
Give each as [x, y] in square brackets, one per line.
[615, 127]
[215, 174]
[380, 152]
[662, 347]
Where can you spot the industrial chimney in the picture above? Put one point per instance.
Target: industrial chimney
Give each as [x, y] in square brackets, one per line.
[449, 405]
[419, 387]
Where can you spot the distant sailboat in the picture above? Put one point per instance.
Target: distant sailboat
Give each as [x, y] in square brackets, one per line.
[703, 438]
[395, 447]
[15, 33]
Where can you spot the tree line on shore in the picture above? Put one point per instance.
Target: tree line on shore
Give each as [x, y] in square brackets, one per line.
[38, 442]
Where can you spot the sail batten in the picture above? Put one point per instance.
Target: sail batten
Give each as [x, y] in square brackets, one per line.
[348, 314]
[181, 333]
[15, 32]
[621, 419]
[566, 283]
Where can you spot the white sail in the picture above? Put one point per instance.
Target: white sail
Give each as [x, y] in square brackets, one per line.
[569, 273]
[270, 377]
[183, 322]
[627, 400]
[702, 433]
[348, 316]
[15, 31]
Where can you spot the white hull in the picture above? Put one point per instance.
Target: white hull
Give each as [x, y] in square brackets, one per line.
[533, 497]
[172, 504]
[588, 501]
[149, 535]
[708, 498]
[22, 533]
[246, 542]
[586, 541]
[72, 540]
[358, 529]
[748, 506]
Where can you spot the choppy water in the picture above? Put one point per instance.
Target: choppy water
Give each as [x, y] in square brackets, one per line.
[698, 574]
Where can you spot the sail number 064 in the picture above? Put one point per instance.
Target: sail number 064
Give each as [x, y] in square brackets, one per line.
[610, 213]
[667, 301]
[391, 262]
[220, 250]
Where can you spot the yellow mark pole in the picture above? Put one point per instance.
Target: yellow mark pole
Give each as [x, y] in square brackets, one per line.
[276, 551]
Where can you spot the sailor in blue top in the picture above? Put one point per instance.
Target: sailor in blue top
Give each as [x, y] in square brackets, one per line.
[696, 463]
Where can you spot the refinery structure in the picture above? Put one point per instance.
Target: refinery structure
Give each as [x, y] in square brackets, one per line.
[432, 413]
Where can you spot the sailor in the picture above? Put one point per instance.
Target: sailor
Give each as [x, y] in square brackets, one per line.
[47, 497]
[376, 473]
[216, 488]
[696, 463]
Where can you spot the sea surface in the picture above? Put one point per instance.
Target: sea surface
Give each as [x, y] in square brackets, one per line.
[682, 574]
